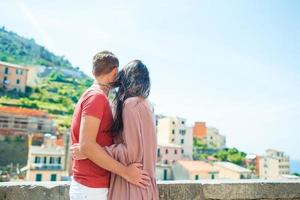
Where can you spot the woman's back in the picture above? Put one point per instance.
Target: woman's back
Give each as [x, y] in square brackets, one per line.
[140, 146]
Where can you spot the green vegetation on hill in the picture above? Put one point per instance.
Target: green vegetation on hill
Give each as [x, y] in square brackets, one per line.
[58, 91]
[19, 50]
[227, 154]
[57, 96]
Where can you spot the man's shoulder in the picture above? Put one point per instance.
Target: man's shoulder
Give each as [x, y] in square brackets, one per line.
[95, 94]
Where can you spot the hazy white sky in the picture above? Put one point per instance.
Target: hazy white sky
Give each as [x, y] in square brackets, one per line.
[232, 64]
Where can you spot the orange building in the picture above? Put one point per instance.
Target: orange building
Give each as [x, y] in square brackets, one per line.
[23, 121]
[199, 130]
[13, 77]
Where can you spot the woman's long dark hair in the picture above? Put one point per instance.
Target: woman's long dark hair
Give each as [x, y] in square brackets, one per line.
[133, 81]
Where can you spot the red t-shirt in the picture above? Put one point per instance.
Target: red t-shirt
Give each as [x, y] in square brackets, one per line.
[94, 103]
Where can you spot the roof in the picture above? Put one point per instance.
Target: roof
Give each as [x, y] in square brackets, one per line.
[23, 111]
[196, 166]
[231, 166]
[43, 150]
[12, 65]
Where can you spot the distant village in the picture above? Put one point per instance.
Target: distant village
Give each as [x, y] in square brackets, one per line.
[48, 150]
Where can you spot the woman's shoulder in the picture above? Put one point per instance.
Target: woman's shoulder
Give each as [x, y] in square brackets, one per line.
[132, 101]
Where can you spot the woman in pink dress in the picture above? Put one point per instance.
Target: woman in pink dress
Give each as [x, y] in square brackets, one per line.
[134, 132]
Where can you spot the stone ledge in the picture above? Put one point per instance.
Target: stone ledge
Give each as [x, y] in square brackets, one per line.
[169, 190]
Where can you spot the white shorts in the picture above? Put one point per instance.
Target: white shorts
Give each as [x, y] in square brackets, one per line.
[82, 192]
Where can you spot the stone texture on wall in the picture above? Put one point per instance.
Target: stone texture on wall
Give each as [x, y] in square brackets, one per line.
[172, 190]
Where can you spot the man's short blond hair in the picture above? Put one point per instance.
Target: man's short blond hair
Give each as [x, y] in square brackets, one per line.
[104, 62]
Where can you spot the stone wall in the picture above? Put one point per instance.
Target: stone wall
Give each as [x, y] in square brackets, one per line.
[169, 190]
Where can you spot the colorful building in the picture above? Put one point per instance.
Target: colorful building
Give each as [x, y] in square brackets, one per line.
[13, 77]
[274, 165]
[174, 130]
[199, 130]
[167, 156]
[232, 171]
[194, 170]
[24, 121]
[210, 135]
[48, 161]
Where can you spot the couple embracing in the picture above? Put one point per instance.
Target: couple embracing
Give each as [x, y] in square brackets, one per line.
[114, 145]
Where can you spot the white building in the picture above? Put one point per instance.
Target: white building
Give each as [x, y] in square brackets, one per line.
[175, 131]
[274, 165]
[214, 139]
[46, 162]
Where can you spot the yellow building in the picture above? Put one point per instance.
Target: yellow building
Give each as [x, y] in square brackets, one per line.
[13, 77]
[46, 162]
[194, 170]
[274, 165]
[232, 171]
[173, 130]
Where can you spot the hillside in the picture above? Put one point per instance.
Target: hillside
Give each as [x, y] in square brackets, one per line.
[60, 84]
[19, 50]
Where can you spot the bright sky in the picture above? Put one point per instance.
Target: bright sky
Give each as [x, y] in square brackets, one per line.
[232, 64]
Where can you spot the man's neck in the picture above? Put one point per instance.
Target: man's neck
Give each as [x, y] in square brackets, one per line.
[103, 84]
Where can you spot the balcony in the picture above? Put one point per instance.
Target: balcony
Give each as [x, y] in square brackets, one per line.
[168, 190]
[39, 166]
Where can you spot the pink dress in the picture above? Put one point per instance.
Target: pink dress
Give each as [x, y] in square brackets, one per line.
[139, 146]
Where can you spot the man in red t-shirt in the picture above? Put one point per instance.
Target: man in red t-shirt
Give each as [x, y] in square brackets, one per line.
[91, 123]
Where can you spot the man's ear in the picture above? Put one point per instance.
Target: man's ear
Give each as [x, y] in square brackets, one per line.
[116, 69]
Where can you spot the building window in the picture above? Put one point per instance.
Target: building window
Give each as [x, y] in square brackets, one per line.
[45, 160]
[182, 141]
[18, 81]
[167, 151]
[182, 132]
[173, 139]
[3, 122]
[242, 176]
[165, 174]
[59, 160]
[38, 177]
[5, 80]
[37, 159]
[158, 152]
[173, 131]
[173, 122]
[182, 122]
[40, 126]
[212, 176]
[175, 151]
[197, 177]
[6, 70]
[51, 160]
[19, 71]
[166, 162]
[53, 177]
[182, 151]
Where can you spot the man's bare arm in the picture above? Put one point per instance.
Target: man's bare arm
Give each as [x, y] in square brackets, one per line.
[88, 146]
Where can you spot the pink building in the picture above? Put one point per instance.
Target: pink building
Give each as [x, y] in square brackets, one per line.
[168, 153]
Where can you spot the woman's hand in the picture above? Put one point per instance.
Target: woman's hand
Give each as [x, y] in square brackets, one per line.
[76, 153]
